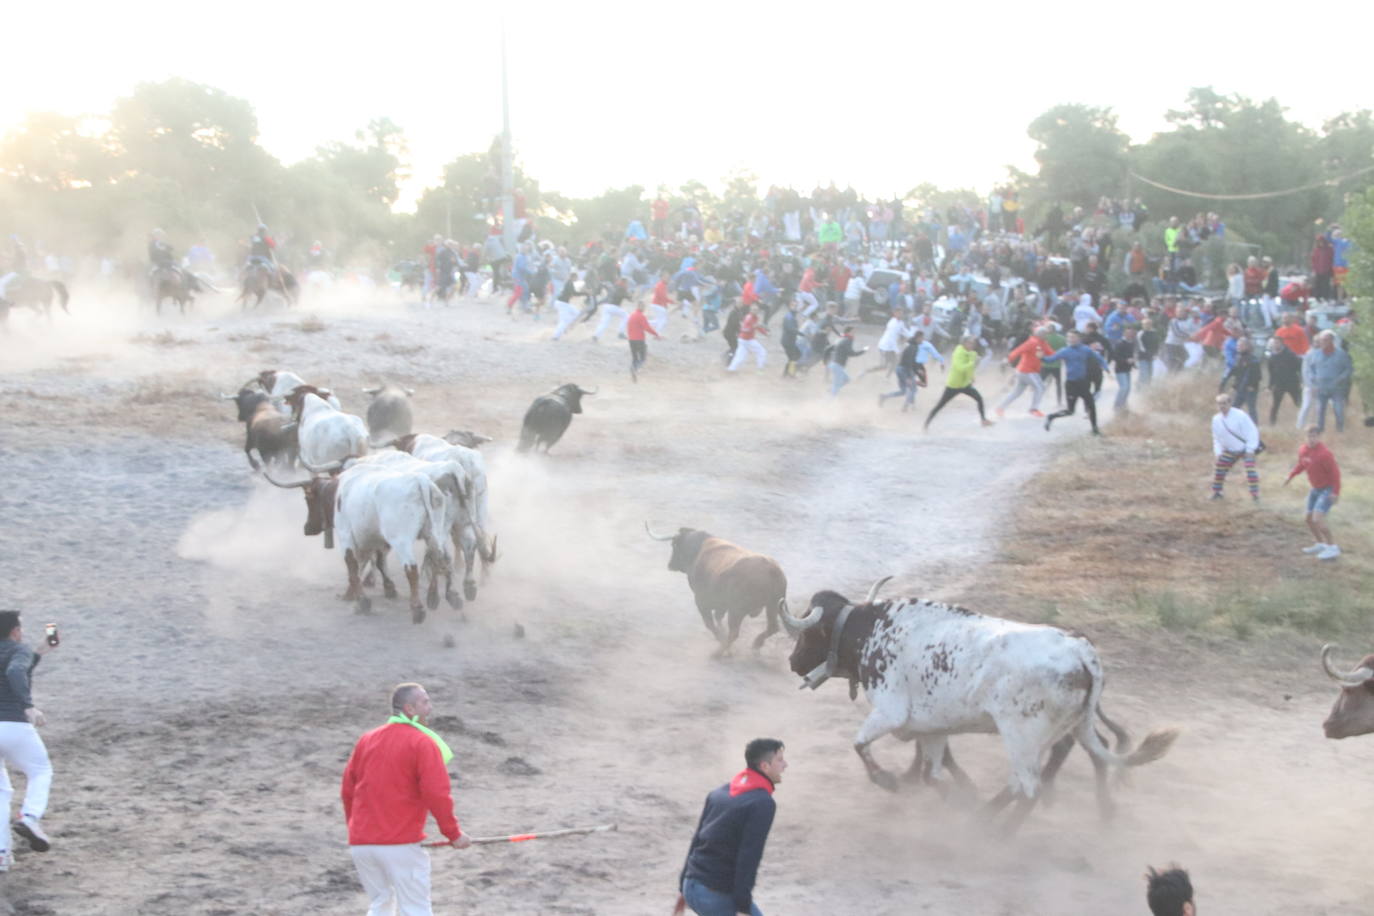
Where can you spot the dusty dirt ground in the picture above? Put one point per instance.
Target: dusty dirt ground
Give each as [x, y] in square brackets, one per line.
[211, 684]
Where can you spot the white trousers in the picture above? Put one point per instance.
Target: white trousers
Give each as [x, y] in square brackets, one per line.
[567, 314]
[742, 351]
[1307, 401]
[6, 280]
[609, 312]
[21, 746]
[1195, 354]
[658, 317]
[396, 879]
[1026, 380]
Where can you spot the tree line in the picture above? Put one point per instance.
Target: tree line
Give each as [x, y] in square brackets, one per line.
[186, 157]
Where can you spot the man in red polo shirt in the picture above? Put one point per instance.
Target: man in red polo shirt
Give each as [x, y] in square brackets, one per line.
[396, 775]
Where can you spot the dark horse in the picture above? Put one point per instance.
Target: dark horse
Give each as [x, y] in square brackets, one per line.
[36, 294]
[259, 278]
[180, 287]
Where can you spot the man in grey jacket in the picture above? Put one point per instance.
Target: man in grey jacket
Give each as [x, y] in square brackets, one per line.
[1326, 370]
[19, 741]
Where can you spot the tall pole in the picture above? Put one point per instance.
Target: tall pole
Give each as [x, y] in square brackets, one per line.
[507, 172]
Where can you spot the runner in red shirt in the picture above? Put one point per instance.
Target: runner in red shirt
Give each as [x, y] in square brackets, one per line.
[397, 775]
[749, 327]
[635, 328]
[1324, 477]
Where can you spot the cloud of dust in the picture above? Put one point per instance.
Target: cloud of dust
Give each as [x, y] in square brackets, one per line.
[261, 536]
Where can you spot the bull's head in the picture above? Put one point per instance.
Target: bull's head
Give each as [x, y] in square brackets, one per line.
[267, 378]
[572, 396]
[318, 491]
[296, 399]
[686, 546]
[814, 657]
[1353, 713]
[247, 400]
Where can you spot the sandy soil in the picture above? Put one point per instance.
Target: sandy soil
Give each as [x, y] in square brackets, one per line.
[211, 685]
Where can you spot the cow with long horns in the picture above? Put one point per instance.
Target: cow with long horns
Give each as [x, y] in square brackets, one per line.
[727, 582]
[379, 507]
[389, 412]
[549, 416]
[1353, 713]
[931, 670]
[267, 430]
[279, 383]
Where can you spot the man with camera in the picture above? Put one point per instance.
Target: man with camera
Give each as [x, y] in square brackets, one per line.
[19, 741]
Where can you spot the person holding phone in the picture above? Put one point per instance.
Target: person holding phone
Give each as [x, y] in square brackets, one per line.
[19, 742]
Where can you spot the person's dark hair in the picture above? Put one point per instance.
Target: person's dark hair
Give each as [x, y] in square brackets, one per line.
[759, 750]
[1167, 891]
[402, 694]
[8, 621]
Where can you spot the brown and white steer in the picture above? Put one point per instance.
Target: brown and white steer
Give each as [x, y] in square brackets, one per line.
[931, 670]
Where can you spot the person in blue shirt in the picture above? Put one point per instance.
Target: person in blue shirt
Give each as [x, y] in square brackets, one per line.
[1114, 327]
[1076, 357]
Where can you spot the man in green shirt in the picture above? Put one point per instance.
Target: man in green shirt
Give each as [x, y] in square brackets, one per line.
[960, 379]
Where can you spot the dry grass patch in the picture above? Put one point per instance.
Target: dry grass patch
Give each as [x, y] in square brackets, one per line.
[1123, 526]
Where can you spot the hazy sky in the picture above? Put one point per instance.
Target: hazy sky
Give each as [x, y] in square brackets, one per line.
[880, 95]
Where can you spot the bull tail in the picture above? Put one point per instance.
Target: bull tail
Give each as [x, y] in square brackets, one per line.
[1155, 745]
[1123, 737]
[62, 297]
[527, 438]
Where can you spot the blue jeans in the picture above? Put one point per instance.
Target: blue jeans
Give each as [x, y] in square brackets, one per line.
[710, 320]
[838, 378]
[1123, 389]
[706, 902]
[1146, 368]
[1337, 401]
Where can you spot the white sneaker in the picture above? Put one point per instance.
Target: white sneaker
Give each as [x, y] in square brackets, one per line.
[1330, 553]
[1314, 549]
[6, 860]
[28, 828]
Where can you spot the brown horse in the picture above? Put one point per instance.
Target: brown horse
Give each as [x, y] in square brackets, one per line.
[179, 286]
[258, 279]
[31, 292]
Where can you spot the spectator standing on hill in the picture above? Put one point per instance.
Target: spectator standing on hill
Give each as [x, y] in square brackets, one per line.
[1245, 376]
[962, 364]
[1123, 355]
[1324, 478]
[1169, 893]
[1285, 377]
[1148, 349]
[1326, 370]
[1235, 437]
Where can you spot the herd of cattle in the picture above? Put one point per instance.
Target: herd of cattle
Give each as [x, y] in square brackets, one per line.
[930, 670]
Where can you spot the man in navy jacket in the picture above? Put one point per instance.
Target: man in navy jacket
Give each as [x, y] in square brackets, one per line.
[723, 859]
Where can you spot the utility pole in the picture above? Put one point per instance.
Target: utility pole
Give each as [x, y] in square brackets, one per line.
[507, 171]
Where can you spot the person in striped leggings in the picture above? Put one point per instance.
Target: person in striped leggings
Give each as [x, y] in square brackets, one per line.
[1235, 437]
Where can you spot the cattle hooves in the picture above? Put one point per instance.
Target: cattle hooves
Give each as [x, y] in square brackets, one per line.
[370, 580]
[417, 615]
[453, 599]
[470, 590]
[364, 605]
[389, 590]
[884, 779]
[432, 600]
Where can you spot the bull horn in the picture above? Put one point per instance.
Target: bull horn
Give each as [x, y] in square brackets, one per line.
[799, 624]
[1353, 679]
[324, 468]
[227, 397]
[657, 537]
[372, 443]
[288, 427]
[371, 390]
[873, 592]
[410, 392]
[285, 486]
[585, 391]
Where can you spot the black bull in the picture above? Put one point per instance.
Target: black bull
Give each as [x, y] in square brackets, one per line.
[549, 416]
[727, 581]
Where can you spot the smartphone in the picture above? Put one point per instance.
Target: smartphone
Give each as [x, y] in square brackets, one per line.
[51, 632]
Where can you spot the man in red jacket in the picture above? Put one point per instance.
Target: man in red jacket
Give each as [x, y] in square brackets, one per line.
[1324, 476]
[636, 326]
[396, 775]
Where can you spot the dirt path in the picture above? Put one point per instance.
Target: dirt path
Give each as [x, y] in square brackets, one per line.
[211, 684]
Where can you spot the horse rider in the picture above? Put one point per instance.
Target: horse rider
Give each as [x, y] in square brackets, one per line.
[18, 267]
[261, 249]
[160, 254]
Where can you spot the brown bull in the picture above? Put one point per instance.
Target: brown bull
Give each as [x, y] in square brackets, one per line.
[1353, 713]
[268, 432]
[727, 581]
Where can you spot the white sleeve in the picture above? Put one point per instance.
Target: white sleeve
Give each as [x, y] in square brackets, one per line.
[1252, 436]
[1218, 436]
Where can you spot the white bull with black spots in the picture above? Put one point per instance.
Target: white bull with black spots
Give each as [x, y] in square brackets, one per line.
[931, 670]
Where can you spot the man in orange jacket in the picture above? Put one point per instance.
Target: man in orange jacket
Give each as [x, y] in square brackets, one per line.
[396, 775]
